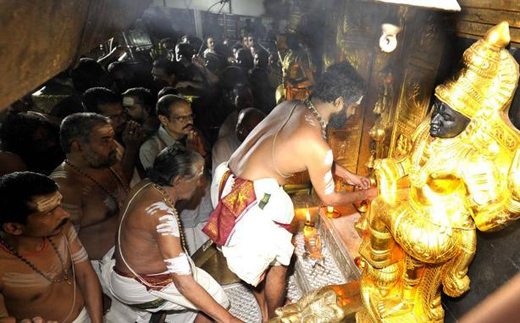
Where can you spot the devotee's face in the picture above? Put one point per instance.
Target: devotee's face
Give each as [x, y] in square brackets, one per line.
[100, 151]
[116, 114]
[181, 119]
[48, 217]
[185, 188]
[135, 109]
[251, 41]
[446, 122]
[159, 75]
[211, 43]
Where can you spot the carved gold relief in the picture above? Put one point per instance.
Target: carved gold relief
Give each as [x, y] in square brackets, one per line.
[419, 235]
[421, 232]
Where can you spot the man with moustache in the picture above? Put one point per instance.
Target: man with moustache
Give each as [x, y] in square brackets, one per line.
[176, 117]
[91, 179]
[291, 139]
[128, 133]
[93, 186]
[45, 275]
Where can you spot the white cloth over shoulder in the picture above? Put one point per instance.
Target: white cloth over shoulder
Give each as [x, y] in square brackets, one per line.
[257, 240]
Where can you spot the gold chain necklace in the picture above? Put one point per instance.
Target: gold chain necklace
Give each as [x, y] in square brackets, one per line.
[166, 198]
[119, 182]
[315, 112]
[64, 276]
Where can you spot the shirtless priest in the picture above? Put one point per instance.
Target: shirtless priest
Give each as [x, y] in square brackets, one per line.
[292, 138]
[153, 270]
[45, 275]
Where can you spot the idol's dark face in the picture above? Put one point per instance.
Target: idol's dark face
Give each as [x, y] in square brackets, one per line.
[446, 122]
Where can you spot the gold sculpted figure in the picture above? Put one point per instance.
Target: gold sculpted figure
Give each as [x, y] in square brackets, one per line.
[461, 174]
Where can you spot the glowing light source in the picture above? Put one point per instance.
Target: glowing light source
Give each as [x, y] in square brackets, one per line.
[448, 5]
[308, 216]
[332, 213]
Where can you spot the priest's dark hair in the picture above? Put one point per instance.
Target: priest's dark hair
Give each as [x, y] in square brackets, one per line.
[174, 161]
[339, 80]
[16, 191]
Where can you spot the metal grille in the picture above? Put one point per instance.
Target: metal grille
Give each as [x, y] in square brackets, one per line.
[310, 275]
[243, 303]
[306, 277]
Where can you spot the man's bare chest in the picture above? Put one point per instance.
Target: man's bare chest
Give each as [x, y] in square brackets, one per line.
[35, 276]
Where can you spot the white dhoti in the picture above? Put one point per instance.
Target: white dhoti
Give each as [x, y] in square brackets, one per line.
[259, 238]
[82, 317]
[131, 292]
[118, 311]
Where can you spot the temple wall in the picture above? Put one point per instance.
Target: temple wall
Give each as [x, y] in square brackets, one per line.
[399, 84]
[42, 38]
[477, 16]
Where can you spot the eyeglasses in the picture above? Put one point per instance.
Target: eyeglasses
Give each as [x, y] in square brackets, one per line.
[185, 118]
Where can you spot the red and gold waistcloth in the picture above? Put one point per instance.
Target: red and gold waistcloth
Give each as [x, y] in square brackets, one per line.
[229, 208]
[158, 281]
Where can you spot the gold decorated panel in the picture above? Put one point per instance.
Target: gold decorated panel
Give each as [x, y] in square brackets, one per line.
[426, 44]
[412, 109]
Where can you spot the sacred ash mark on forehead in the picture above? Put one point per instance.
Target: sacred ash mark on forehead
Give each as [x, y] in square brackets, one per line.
[48, 202]
[128, 101]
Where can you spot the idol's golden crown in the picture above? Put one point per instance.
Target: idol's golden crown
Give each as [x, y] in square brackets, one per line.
[488, 77]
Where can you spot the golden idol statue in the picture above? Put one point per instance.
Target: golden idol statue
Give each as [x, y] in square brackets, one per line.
[462, 174]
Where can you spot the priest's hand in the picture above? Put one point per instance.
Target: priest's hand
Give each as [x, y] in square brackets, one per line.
[360, 182]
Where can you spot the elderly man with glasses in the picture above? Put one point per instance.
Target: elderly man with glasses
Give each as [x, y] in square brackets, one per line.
[176, 117]
[174, 113]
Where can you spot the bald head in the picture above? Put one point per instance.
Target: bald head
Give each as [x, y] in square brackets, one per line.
[248, 119]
